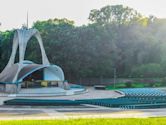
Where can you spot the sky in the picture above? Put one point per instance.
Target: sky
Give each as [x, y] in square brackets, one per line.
[13, 13]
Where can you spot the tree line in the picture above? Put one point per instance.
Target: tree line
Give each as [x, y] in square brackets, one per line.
[117, 37]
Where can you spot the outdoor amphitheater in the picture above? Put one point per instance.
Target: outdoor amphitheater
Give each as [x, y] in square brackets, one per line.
[36, 91]
[120, 103]
[138, 98]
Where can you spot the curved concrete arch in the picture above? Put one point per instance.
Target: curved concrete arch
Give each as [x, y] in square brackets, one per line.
[21, 38]
[14, 50]
[44, 57]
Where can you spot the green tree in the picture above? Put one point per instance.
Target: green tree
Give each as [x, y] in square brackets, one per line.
[117, 14]
[147, 70]
[114, 39]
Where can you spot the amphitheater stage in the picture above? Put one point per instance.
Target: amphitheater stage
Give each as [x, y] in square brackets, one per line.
[58, 93]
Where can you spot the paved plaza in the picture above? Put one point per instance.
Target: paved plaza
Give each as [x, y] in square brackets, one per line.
[58, 93]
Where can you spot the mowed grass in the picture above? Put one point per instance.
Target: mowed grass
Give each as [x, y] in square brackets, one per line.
[105, 121]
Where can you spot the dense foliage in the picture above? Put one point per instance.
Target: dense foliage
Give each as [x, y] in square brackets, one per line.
[117, 37]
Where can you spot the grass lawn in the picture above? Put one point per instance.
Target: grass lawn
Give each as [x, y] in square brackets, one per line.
[106, 121]
[132, 85]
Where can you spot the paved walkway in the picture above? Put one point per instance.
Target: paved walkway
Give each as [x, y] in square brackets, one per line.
[19, 113]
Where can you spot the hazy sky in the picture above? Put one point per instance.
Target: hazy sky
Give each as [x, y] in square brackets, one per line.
[13, 12]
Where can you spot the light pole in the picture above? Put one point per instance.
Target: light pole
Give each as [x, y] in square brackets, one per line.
[114, 77]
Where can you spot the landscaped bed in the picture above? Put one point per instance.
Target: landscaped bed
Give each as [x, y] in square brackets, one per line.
[106, 121]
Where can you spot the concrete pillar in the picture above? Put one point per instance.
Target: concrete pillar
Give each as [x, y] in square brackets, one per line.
[60, 84]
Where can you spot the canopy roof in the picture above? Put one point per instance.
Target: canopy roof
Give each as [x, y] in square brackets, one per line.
[9, 74]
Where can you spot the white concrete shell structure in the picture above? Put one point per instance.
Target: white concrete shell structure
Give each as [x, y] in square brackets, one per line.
[14, 73]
